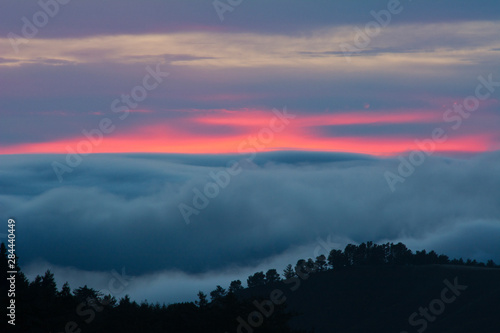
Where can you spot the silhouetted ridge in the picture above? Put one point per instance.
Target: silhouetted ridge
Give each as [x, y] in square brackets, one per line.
[366, 287]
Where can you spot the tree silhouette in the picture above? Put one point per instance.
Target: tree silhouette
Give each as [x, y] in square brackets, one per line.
[289, 272]
[399, 254]
[202, 299]
[311, 265]
[300, 267]
[48, 286]
[321, 263]
[337, 259]
[235, 286]
[272, 276]
[65, 291]
[218, 293]
[443, 259]
[349, 253]
[42, 308]
[86, 294]
[257, 279]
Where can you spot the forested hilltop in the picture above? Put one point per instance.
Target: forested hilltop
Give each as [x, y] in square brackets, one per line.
[366, 287]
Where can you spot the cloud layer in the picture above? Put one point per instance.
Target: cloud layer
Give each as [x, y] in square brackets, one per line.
[123, 210]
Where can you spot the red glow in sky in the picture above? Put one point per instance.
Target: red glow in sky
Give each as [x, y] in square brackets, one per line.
[236, 132]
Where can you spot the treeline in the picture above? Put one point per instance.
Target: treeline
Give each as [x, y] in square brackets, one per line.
[359, 255]
[41, 307]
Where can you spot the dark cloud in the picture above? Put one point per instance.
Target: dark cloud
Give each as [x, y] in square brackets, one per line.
[122, 210]
[363, 52]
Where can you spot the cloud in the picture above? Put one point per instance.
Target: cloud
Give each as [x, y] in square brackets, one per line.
[166, 286]
[478, 240]
[122, 210]
[431, 45]
[80, 77]
[90, 18]
[376, 132]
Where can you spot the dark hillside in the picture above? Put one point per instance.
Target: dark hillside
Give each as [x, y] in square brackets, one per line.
[365, 288]
[382, 298]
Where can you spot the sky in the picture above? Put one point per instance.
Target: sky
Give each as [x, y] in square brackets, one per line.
[195, 142]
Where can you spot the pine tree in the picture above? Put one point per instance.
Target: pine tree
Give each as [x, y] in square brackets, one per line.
[288, 272]
[202, 300]
[218, 293]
